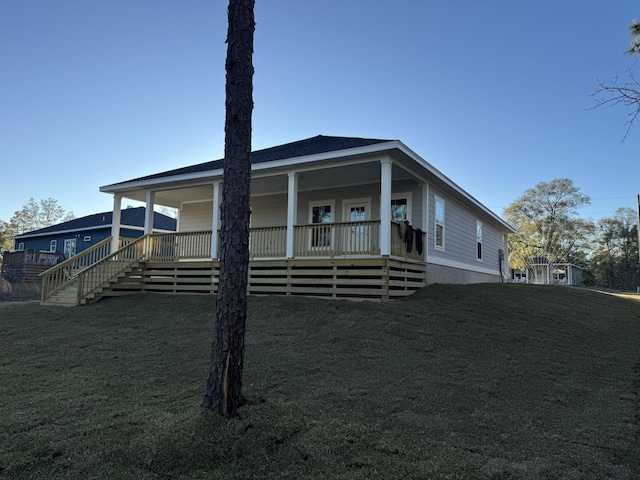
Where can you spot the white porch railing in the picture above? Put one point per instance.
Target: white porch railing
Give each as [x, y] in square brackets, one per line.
[312, 240]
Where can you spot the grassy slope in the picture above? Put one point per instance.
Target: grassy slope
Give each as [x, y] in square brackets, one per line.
[482, 381]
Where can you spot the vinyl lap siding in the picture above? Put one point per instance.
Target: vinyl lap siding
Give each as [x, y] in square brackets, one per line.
[269, 211]
[196, 217]
[460, 237]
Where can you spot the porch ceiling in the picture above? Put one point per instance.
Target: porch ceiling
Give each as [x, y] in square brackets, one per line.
[271, 183]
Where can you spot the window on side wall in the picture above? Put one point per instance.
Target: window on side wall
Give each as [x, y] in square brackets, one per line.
[439, 220]
[53, 245]
[479, 239]
[21, 246]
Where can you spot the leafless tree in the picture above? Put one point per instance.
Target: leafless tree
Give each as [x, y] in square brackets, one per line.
[623, 92]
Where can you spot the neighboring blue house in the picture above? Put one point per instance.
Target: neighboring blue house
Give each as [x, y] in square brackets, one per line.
[76, 235]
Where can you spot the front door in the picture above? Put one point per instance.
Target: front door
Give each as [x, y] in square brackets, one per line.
[356, 233]
[69, 247]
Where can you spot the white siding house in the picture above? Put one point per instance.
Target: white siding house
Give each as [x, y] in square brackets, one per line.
[337, 202]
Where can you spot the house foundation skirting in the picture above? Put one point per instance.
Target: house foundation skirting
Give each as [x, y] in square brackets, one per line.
[361, 279]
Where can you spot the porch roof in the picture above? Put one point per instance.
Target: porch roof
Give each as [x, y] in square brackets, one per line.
[310, 146]
[313, 156]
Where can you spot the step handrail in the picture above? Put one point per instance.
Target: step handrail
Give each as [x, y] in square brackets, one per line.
[110, 267]
[63, 273]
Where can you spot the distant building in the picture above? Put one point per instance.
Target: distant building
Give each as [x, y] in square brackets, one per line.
[543, 272]
[74, 236]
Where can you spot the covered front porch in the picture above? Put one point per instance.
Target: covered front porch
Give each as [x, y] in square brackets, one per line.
[339, 260]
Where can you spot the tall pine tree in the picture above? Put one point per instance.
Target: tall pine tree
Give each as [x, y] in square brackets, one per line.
[223, 392]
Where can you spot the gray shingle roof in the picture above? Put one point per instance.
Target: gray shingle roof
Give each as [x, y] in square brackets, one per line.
[309, 146]
[129, 217]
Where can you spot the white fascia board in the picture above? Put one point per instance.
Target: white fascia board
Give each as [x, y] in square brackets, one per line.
[442, 177]
[162, 183]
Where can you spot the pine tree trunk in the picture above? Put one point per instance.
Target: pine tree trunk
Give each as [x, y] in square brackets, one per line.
[223, 393]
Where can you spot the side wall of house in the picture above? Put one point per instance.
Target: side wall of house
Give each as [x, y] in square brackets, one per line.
[457, 261]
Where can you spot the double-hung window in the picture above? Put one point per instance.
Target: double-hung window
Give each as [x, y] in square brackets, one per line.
[439, 221]
[53, 245]
[479, 239]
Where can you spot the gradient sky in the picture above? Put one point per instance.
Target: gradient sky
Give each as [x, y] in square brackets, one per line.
[495, 94]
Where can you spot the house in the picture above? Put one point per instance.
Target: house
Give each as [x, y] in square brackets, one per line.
[330, 216]
[77, 235]
[543, 272]
[38, 250]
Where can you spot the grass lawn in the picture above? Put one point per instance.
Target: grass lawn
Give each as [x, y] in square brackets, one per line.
[480, 381]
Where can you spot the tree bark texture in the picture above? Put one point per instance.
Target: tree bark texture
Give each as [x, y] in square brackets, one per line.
[223, 393]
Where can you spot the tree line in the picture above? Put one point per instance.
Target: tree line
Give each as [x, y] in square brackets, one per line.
[32, 216]
[550, 230]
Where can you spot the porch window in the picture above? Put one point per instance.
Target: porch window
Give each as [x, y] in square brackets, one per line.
[401, 207]
[321, 213]
[439, 219]
[479, 239]
[53, 245]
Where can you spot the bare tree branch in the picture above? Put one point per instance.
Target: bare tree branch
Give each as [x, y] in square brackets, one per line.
[626, 93]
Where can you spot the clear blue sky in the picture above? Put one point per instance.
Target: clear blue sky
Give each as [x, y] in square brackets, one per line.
[494, 94]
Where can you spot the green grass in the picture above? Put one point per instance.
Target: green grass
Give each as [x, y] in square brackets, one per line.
[480, 381]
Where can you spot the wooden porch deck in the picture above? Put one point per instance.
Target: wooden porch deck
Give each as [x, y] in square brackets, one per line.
[332, 260]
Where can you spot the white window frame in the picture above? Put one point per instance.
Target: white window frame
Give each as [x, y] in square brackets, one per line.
[437, 200]
[53, 244]
[20, 247]
[403, 196]
[322, 203]
[479, 246]
[87, 238]
[365, 201]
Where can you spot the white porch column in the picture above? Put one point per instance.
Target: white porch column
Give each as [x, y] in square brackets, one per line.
[148, 213]
[215, 220]
[115, 222]
[385, 207]
[425, 217]
[292, 211]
